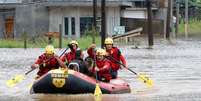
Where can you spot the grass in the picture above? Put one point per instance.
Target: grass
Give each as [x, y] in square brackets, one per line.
[194, 27]
[11, 43]
[86, 41]
[41, 42]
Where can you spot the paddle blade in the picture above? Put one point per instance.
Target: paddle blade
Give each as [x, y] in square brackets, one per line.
[12, 82]
[30, 85]
[97, 93]
[144, 78]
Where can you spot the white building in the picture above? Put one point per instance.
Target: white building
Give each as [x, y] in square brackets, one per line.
[76, 16]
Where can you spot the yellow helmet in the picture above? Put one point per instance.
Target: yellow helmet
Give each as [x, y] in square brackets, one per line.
[100, 52]
[74, 42]
[108, 41]
[49, 49]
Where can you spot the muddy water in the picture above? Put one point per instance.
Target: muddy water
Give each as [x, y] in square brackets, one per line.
[175, 69]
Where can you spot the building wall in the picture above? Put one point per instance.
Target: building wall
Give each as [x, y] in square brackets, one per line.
[113, 19]
[133, 18]
[24, 20]
[33, 19]
[41, 17]
[57, 15]
[2, 24]
[132, 24]
[162, 15]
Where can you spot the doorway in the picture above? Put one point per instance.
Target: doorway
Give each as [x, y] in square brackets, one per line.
[9, 26]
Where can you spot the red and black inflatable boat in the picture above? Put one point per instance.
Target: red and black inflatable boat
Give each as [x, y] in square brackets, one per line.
[72, 82]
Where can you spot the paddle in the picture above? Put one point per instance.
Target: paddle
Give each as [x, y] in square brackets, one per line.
[18, 78]
[141, 77]
[97, 92]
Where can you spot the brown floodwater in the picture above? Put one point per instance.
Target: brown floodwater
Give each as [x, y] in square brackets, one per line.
[174, 68]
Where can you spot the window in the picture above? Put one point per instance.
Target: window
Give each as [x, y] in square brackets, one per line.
[66, 25]
[85, 24]
[73, 25]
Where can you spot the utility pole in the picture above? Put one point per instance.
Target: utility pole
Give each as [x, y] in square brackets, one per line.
[60, 36]
[94, 20]
[177, 17]
[149, 29]
[186, 19]
[168, 20]
[103, 24]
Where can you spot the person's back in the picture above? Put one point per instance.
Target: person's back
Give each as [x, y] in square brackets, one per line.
[78, 65]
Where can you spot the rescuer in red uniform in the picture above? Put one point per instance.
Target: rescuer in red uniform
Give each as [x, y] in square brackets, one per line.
[47, 61]
[101, 66]
[115, 57]
[74, 54]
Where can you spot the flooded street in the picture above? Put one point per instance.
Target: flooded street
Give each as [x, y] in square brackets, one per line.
[174, 68]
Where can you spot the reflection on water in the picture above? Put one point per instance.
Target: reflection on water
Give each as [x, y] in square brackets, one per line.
[175, 69]
[83, 97]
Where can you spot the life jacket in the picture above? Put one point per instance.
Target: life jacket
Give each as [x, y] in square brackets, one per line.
[91, 53]
[104, 73]
[72, 55]
[115, 53]
[46, 64]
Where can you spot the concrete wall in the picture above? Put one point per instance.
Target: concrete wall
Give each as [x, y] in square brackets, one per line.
[57, 15]
[31, 19]
[2, 26]
[24, 20]
[41, 17]
[161, 14]
[55, 19]
[113, 19]
[130, 21]
[132, 24]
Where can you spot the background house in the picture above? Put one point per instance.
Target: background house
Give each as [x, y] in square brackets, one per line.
[37, 17]
[77, 16]
[18, 16]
